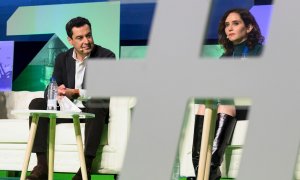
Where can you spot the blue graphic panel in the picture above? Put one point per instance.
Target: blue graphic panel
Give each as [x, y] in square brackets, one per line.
[6, 65]
[262, 15]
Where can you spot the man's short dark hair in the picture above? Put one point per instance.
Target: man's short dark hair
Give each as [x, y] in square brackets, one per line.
[76, 22]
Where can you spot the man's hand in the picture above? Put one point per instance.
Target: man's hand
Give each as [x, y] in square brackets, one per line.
[61, 90]
[70, 93]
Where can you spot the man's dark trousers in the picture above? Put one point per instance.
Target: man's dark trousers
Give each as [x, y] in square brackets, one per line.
[93, 126]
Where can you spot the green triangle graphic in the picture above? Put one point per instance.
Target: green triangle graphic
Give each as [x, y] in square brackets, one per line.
[36, 75]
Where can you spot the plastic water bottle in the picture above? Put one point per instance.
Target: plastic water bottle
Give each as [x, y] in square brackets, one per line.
[52, 95]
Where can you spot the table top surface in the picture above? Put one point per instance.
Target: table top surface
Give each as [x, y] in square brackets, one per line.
[57, 114]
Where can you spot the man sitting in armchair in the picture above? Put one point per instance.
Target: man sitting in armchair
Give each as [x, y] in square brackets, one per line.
[69, 71]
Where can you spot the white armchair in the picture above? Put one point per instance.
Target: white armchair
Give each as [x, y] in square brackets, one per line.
[14, 135]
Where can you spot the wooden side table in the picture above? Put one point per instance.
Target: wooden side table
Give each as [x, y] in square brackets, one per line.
[52, 115]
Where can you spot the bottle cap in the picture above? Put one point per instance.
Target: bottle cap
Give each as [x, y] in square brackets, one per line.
[52, 79]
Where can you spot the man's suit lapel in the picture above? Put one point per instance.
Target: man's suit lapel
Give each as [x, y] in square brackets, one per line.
[71, 71]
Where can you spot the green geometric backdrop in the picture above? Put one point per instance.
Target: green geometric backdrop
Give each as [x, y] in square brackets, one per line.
[51, 19]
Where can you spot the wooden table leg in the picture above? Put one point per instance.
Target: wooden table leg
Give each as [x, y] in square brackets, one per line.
[51, 145]
[33, 127]
[210, 144]
[206, 143]
[80, 146]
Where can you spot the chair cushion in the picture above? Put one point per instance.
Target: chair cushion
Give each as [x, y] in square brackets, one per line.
[19, 100]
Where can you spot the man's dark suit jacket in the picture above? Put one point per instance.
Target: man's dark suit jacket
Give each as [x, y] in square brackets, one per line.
[65, 67]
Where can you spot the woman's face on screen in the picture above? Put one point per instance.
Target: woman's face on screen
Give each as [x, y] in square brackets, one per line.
[235, 28]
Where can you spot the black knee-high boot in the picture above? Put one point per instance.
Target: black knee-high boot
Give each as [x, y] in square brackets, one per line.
[224, 128]
[198, 127]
